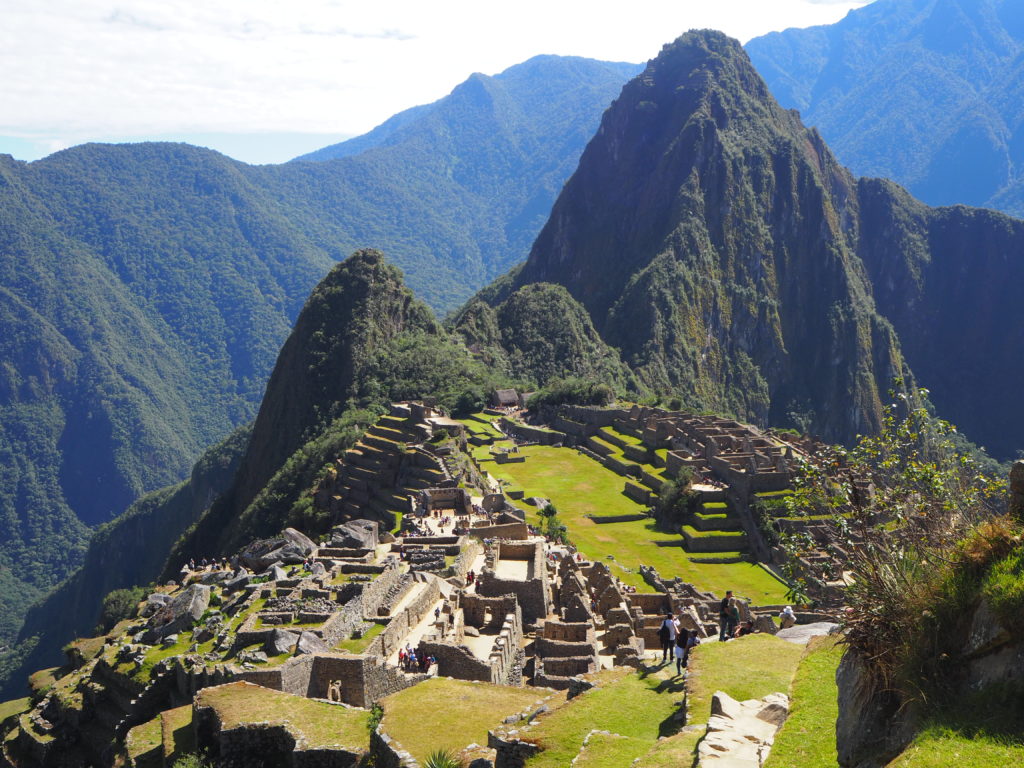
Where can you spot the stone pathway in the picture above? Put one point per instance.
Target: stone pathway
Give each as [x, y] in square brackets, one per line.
[417, 632]
[801, 633]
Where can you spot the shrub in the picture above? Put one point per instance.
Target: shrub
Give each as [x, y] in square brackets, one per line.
[119, 605]
[443, 759]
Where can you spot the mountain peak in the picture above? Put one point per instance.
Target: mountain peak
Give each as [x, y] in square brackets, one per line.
[708, 234]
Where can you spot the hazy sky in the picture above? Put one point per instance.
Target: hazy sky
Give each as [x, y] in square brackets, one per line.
[265, 80]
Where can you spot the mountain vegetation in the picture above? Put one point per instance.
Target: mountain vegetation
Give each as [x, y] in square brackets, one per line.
[924, 92]
[147, 288]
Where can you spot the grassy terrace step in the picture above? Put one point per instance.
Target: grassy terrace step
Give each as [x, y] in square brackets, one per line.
[391, 434]
[712, 541]
[716, 522]
[318, 723]
[638, 709]
[715, 506]
[383, 443]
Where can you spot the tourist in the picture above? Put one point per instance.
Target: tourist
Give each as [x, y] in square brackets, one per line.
[787, 618]
[734, 616]
[667, 633]
[679, 645]
[437, 614]
[401, 657]
[746, 628]
[724, 630]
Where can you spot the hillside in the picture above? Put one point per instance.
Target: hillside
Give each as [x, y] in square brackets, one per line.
[147, 288]
[923, 92]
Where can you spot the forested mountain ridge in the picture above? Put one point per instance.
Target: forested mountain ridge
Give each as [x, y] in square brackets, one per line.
[924, 92]
[721, 248]
[145, 289]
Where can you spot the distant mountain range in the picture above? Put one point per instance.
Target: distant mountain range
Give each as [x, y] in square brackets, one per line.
[928, 93]
[146, 289]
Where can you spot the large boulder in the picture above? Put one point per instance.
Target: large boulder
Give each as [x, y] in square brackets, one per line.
[280, 641]
[310, 643]
[356, 534]
[874, 725]
[154, 603]
[179, 614]
[290, 546]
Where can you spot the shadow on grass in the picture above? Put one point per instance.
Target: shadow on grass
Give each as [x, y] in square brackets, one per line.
[992, 714]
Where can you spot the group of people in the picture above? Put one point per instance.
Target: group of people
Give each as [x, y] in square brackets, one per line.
[207, 565]
[676, 640]
[411, 661]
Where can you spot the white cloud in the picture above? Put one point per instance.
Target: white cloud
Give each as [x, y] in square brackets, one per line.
[74, 69]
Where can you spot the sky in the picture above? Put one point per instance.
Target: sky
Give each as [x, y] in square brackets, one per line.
[264, 80]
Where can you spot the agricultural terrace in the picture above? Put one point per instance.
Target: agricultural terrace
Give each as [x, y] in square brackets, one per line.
[579, 486]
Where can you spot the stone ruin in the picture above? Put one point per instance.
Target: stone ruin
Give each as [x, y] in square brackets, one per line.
[481, 640]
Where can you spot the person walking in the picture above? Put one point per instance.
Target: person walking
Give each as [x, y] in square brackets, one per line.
[681, 649]
[734, 617]
[723, 617]
[667, 633]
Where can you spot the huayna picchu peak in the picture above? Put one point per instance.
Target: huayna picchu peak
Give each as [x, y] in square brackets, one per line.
[719, 246]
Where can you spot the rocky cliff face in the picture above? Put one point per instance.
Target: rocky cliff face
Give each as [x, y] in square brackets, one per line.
[711, 237]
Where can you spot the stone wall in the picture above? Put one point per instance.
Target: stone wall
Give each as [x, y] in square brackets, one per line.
[532, 594]
[364, 679]
[466, 557]
[388, 641]
[638, 493]
[486, 614]
[517, 530]
[528, 434]
[387, 753]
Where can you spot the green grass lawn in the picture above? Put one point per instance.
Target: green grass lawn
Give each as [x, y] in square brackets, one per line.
[637, 707]
[358, 645]
[940, 747]
[14, 707]
[579, 486]
[179, 739]
[320, 723]
[808, 738]
[442, 713]
[750, 667]
[674, 752]
[144, 744]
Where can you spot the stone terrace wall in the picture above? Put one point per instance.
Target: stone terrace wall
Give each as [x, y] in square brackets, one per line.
[458, 661]
[530, 434]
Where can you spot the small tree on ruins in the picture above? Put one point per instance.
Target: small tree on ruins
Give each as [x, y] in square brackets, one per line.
[897, 503]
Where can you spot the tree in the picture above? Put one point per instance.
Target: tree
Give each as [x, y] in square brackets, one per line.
[899, 503]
